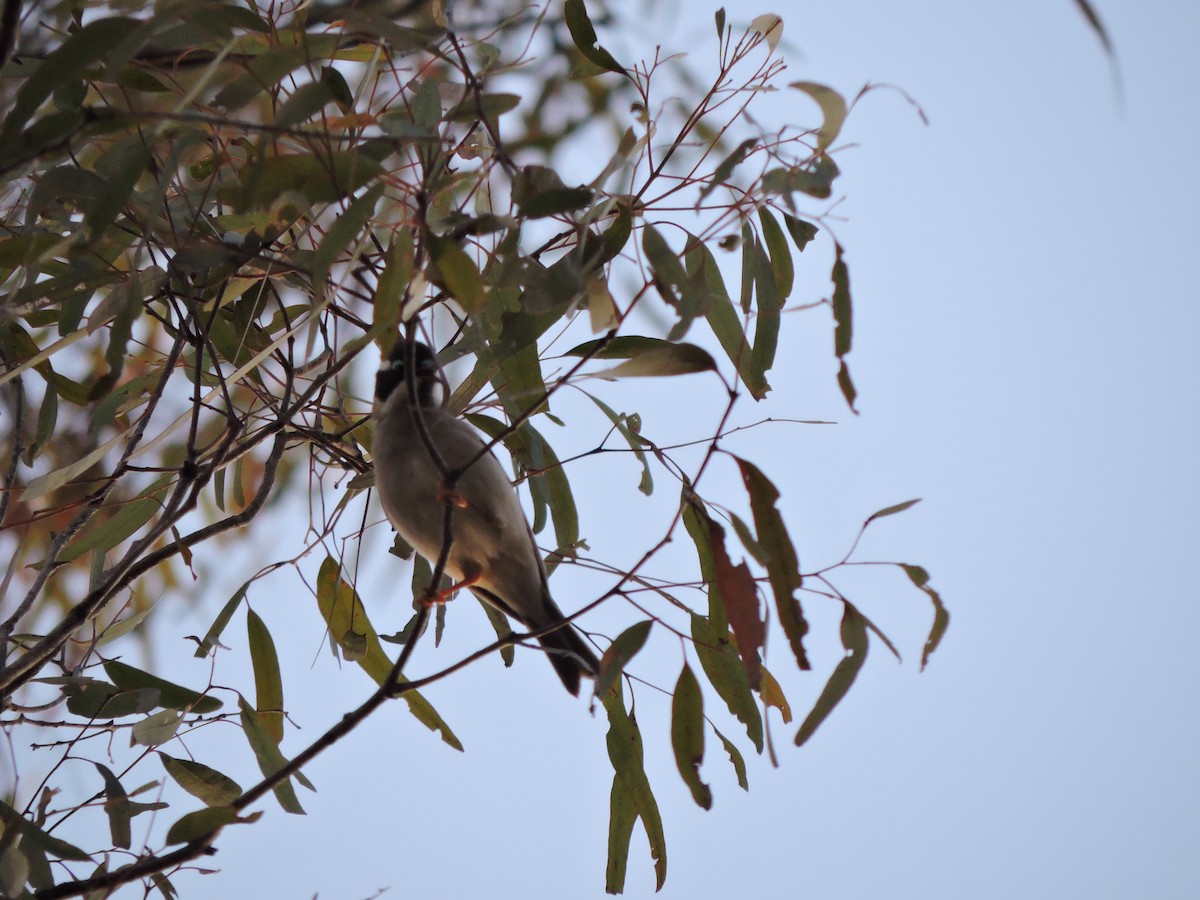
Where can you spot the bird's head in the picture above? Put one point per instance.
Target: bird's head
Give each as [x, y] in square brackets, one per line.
[392, 376]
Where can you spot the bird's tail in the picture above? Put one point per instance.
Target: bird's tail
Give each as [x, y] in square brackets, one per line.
[570, 655]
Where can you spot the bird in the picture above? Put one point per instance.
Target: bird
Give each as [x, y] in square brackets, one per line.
[492, 550]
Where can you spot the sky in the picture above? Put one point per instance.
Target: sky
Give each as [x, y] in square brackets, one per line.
[1026, 290]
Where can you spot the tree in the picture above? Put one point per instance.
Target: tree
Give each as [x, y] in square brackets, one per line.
[215, 214]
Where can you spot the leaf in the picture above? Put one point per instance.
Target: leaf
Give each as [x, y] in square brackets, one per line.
[64, 65]
[779, 252]
[847, 386]
[268, 683]
[459, 273]
[624, 741]
[213, 635]
[719, 16]
[665, 360]
[116, 805]
[782, 562]
[171, 696]
[891, 510]
[723, 318]
[739, 594]
[621, 423]
[584, 35]
[343, 613]
[320, 178]
[270, 759]
[802, 232]
[203, 783]
[342, 231]
[722, 172]
[941, 616]
[687, 735]
[503, 631]
[772, 695]
[158, 728]
[833, 108]
[201, 823]
[622, 816]
[770, 26]
[1093, 19]
[15, 823]
[619, 653]
[770, 303]
[843, 332]
[94, 699]
[122, 524]
[735, 757]
[854, 640]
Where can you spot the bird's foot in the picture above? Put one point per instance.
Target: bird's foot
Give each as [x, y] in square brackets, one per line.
[439, 597]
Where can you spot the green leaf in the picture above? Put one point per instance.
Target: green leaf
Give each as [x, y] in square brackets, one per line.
[583, 33]
[171, 696]
[854, 640]
[201, 823]
[719, 15]
[722, 172]
[802, 232]
[735, 757]
[624, 741]
[622, 816]
[344, 613]
[619, 653]
[268, 683]
[687, 735]
[833, 108]
[158, 728]
[770, 303]
[843, 332]
[270, 759]
[621, 423]
[203, 783]
[781, 560]
[15, 823]
[780, 253]
[459, 273]
[66, 64]
[503, 630]
[723, 318]
[891, 510]
[94, 699]
[342, 231]
[319, 178]
[116, 805]
[263, 73]
[212, 637]
[815, 180]
[122, 524]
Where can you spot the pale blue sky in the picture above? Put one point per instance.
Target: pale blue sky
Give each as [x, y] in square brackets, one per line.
[1026, 283]
[1027, 291]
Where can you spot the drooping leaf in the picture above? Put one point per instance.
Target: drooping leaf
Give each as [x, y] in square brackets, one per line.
[459, 272]
[622, 816]
[208, 785]
[723, 318]
[624, 740]
[779, 253]
[344, 229]
[687, 735]
[781, 560]
[941, 616]
[268, 683]
[622, 424]
[270, 759]
[725, 168]
[30, 833]
[843, 333]
[770, 304]
[583, 33]
[847, 386]
[213, 635]
[344, 613]
[619, 653]
[735, 757]
[740, 597]
[854, 640]
[802, 232]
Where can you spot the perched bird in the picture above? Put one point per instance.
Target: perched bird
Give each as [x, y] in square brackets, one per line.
[492, 551]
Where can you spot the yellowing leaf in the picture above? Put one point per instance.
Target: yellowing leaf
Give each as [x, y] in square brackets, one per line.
[770, 26]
